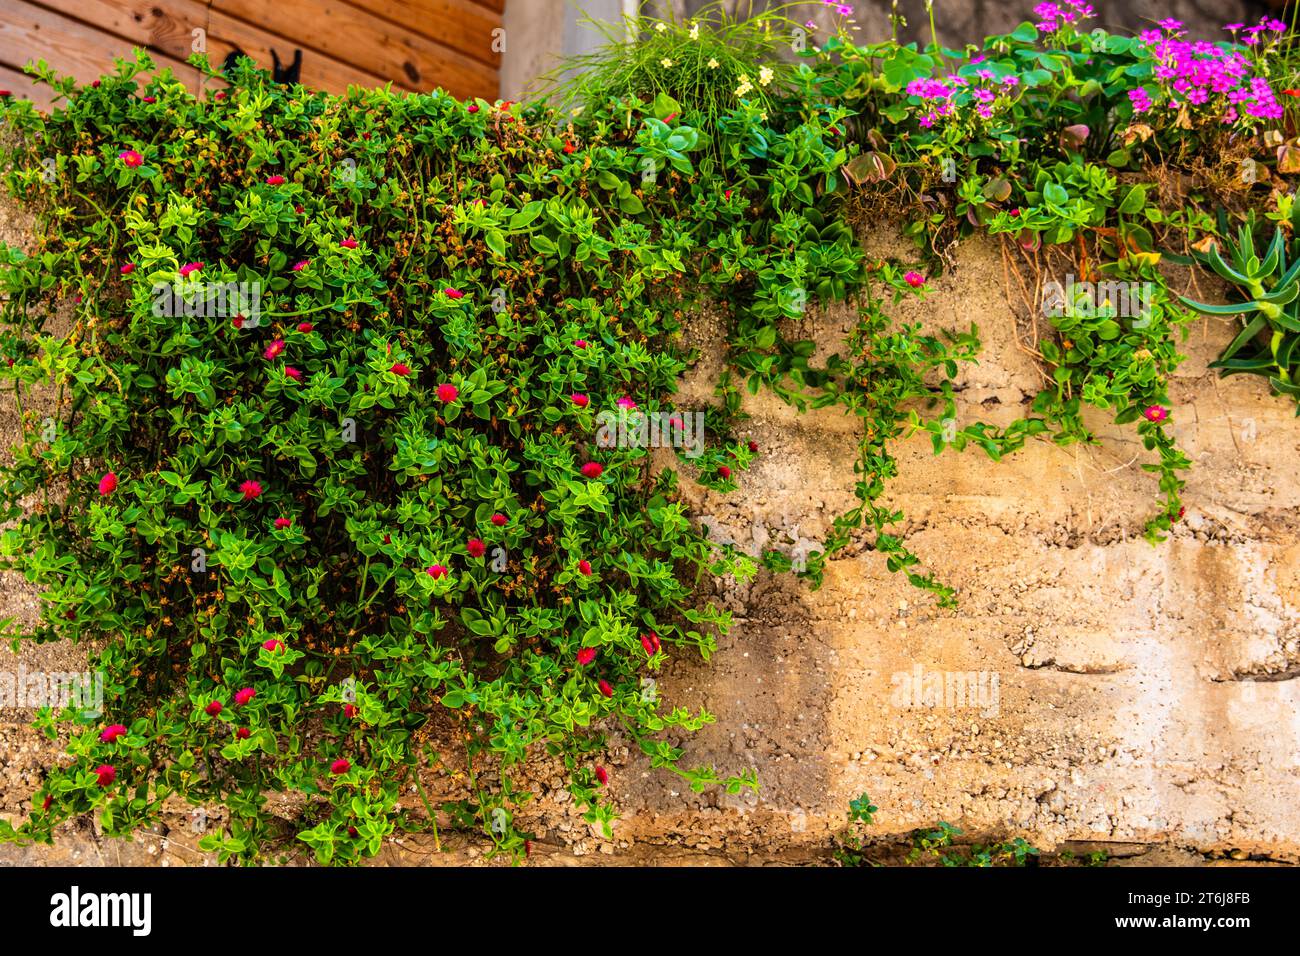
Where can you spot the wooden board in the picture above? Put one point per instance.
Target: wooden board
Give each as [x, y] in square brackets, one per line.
[23, 87]
[462, 25]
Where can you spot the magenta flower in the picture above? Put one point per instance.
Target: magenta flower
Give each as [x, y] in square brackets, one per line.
[106, 774]
[108, 484]
[110, 733]
[127, 269]
[592, 469]
[602, 775]
[293, 373]
[584, 566]
[251, 489]
[914, 279]
[447, 393]
[190, 268]
[301, 264]
[499, 520]
[453, 293]
[244, 696]
[272, 645]
[475, 547]
[586, 655]
[626, 402]
[580, 343]
[273, 350]
[340, 766]
[436, 571]
[305, 326]
[580, 399]
[282, 523]
[130, 157]
[348, 243]
[213, 709]
[276, 180]
[400, 368]
[1155, 413]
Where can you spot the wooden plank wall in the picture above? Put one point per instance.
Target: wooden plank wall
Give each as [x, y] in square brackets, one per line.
[416, 45]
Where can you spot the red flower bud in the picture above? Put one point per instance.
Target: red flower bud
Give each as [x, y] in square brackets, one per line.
[602, 775]
[110, 733]
[106, 774]
[475, 547]
[213, 708]
[586, 655]
[593, 469]
[244, 696]
[340, 766]
[605, 689]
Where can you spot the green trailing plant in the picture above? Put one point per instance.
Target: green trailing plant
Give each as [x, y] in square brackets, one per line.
[938, 844]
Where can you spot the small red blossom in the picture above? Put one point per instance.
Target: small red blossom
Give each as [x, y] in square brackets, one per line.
[436, 571]
[293, 373]
[243, 733]
[301, 264]
[108, 484]
[110, 733]
[49, 799]
[580, 343]
[305, 326]
[149, 99]
[569, 148]
[106, 773]
[348, 243]
[584, 566]
[651, 643]
[213, 708]
[724, 472]
[127, 269]
[272, 645]
[273, 350]
[189, 268]
[447, 393]
[340, 766]
[499, 520]
[453, 293]
[242, 697]
[914, 279]
[1155, 413]
[753, 447]
[605, 689]
[475, 547]
[602, 775]
[251, 489]
[579, 399]
[350, 710]
[400, 368]
[282, 523]
[276, 180]
[472, 108]
[130, 157]
[593, 469]
[586, 655]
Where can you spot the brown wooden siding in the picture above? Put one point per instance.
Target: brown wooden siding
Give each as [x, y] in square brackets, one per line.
[414, 44]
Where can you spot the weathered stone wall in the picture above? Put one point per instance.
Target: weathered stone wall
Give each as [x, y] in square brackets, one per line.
[1145, 695]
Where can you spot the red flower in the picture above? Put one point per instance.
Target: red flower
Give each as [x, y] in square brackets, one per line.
[219, 95]
[213, 708]
[453, 293]
[108, 484]
[276, 180]
[298, 209]
[237, 321]
[301, 264]
[586, 655]
[605, 689]
[352, 832]
[499, 520]
[569, 148]
[271, 645]
[585, 567]
[914, 279]
[582, 401]
[651, 643]
[190, 267]
[727, 195]
[475, 547]
[1291, 92]
[602, 775]
[349, 710]
[110, 733]
[724, 472]
[242, 733]
[130, 157]
[293, 373]
[106, 774]
[282, 523]
[244, 696]
[436, 571]
[400, 368]
[1155, 413]
[251, 489]
[472, 108]
[593, 469]
[305, 326]
[45, 804]
[273, 350]
[127, 269]
[340, 766]
[149, 99]
[348, 243]
[753, 447]
[5, 94]
[580, 343]
[448, 393]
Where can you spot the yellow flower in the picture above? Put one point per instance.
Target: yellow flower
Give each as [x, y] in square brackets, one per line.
[713, 64]
[745, 86]
[765, 75]
[695, 31]
[665, 62]
[660, 27]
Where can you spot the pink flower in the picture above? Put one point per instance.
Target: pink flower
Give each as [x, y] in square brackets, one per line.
[592, 469]
[472, 108]
[340, 766]
[108, 484]
[724, 472]
[453, 293]
[273, 350]
[626, 402]
[293, 373]
[130, 158]
[436, 571]
[244, 696]
[651, 643]
[447, 393]
[282, 523]
[110, 733]
[400, 368]
[350, 710]
[301, 264]
[586, 655]
[1155, 413]
[305, 326]
[602, 775]
[213, 708]
[272, 645]
[475, 547]
[219, 95]
[348, 243]
[584, 566]
[605, 689]
[582, 401]
[106, 774]
[242, 733]
[276, 180]
[580, 343]
[127, 269]
[190, 267]
[251, 489]
[149, 99]
[914, 279]
[499, 520]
